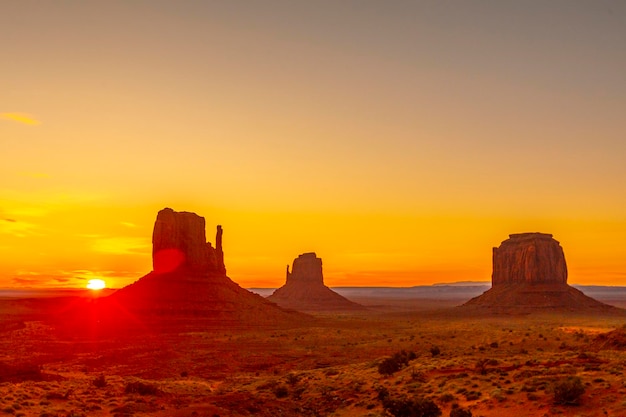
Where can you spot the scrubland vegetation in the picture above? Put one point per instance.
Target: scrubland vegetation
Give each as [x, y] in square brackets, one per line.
[379, 365]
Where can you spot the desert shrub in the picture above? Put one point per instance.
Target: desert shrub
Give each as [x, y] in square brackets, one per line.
[99, 381]
[415, 407]
[281, 391]
[481, 366]
[124, 410]
[567, 391]
[446, 398]
[57, 395]
[435, 351]
[292, 379]
[398, 361]
[494, 345]
[459, 411]
[418, 376]
[297, 393]
[184, 374]
[532, 396]
[141, 388]
[388, 367]
[383, 393]
[472, 395]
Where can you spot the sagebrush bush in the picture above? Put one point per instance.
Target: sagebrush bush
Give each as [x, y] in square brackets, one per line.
[567, 391]
[446, 398]
[383, 393]
[481, 366]
[281, 391]
[292, 379]
[460, 412]
[141, 388]
[398, 361]
[413, 407]
[99, 381]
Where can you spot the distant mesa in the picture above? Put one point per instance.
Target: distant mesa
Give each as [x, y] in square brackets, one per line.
[304, 288]
[189, 280]
[530, 273]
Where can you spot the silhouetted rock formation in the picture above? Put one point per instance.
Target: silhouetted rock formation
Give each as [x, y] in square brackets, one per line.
[179, 242]
[530, 273]
[307, 268]
[304, 288]
[529, 258]
[189, 281]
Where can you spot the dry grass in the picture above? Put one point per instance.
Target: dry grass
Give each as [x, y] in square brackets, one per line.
[492, 366]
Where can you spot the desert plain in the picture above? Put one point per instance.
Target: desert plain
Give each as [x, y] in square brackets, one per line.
[328, 364]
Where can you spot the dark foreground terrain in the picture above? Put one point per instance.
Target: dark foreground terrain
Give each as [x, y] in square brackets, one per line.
[332, 365]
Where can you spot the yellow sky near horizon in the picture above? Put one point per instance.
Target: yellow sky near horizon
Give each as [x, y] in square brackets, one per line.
[399, 141]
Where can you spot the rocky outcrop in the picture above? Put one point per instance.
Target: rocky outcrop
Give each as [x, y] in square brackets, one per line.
[218, 253]
[304, 289]
[307, 269]
[188, 281]
[529, 258]
[179, 243]
[530, 274]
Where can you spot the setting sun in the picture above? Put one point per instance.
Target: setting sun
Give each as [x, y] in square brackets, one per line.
[96, 284]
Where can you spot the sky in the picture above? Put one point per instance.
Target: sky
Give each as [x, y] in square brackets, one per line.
[399, 140]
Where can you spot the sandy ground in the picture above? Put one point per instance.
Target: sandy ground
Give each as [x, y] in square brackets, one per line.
[494, 366]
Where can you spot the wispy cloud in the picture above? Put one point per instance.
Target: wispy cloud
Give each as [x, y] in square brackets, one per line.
[29, 279]
[128, 224]
[26, 282]
[17, 228]
[23, 118]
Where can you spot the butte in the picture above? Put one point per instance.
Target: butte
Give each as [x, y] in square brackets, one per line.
[530, 274]
[304, 289]
[187, 286]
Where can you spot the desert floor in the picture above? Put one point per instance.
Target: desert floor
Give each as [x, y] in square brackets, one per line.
[494, 366]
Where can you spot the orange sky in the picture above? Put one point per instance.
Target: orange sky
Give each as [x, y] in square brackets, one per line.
[399, 140]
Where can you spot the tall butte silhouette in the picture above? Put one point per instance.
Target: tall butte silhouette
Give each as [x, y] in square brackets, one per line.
[188, 281]
[530, 274]
[304, 288]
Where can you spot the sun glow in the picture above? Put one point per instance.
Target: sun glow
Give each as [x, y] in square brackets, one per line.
[96, 284]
